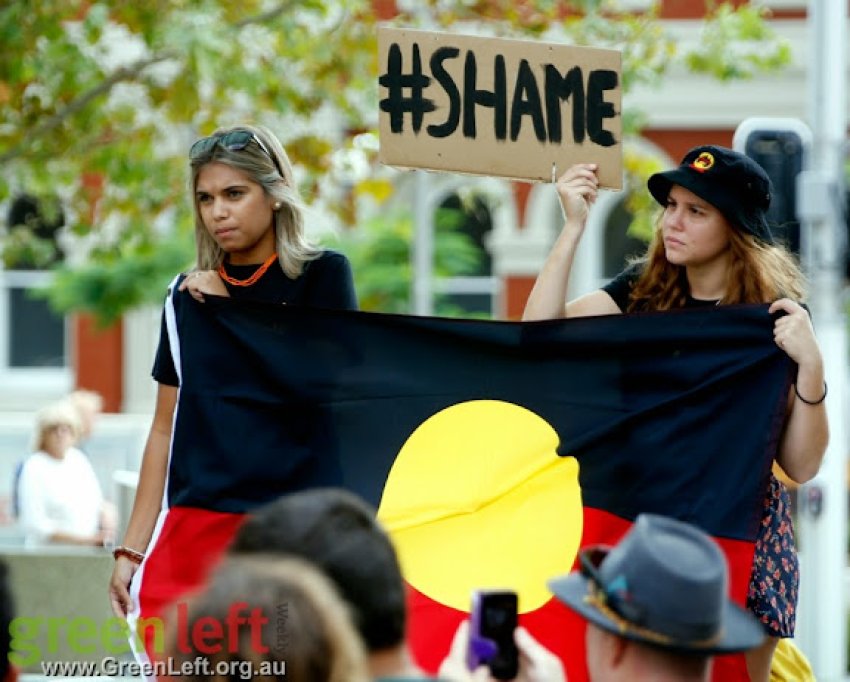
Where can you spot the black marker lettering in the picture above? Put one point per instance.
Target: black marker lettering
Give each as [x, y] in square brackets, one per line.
[563, 88]
[495, 99]
[395, 81]
[527, 102]
[597, 108]
[444, 78]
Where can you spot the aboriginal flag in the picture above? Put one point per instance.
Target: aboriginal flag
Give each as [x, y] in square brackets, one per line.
[494, 450]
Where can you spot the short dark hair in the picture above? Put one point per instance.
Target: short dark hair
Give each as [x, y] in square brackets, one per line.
[338, 532]
[7, 612]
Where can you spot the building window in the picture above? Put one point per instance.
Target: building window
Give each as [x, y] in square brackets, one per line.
[35, 337]
[34, 356]
[36, 334]
[473, 293]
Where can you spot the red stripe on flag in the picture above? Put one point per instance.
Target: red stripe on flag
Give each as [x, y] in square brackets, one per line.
[189, 546]
[432, 625]
[430, 629]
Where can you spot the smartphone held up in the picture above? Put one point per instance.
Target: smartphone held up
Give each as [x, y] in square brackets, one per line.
[492, 621]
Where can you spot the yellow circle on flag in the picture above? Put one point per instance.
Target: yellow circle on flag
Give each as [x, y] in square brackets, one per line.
[478, 498]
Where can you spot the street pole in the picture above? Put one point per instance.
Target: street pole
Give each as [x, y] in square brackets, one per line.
[422, 256]
[821, 190]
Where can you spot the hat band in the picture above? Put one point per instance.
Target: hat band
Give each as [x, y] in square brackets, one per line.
[597, 598]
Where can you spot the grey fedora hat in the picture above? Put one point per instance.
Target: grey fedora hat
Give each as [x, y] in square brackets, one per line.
[664, 584]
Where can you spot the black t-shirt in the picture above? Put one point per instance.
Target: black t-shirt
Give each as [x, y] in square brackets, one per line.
[621, 286]
[326, 282]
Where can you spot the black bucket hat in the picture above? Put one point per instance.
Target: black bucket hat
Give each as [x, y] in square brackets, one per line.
[665, 585]
[732, 182]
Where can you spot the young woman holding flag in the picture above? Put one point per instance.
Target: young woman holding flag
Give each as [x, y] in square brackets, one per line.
[713, 247]
[249, 233]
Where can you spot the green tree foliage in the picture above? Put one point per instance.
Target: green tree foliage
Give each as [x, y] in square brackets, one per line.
[380, 252]
[99, 102]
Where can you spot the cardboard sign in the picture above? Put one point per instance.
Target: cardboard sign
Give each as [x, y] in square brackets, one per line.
[505, 108]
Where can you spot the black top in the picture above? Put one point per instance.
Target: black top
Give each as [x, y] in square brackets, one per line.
[326, 282]
[621, 286]
[773, 601]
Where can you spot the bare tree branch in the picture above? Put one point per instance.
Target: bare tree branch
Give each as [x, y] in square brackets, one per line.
[125, 73]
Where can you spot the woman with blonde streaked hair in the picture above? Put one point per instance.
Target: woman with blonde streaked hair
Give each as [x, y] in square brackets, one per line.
[292, 625]
[256, 152]
[251, 245]
[713, 247]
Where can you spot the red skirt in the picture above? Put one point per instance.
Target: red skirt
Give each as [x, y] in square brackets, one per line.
[186, 546]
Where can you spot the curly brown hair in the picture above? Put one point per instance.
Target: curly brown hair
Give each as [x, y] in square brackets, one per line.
[758, 273]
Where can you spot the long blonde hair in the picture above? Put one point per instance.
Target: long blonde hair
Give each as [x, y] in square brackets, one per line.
[758, 273]
[293, 247]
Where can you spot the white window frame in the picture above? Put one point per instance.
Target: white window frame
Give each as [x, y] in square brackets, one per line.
[21, 387]
[471, 284]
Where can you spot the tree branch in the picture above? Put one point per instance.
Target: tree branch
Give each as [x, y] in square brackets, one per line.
[125, 73]
[265, 16]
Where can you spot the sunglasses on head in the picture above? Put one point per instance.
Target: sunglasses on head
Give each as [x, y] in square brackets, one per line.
[618, 601]
[234, 141]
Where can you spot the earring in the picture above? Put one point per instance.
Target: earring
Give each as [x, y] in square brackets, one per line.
[277, 206]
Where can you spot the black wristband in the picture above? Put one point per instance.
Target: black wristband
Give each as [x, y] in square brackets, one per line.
[812, 402]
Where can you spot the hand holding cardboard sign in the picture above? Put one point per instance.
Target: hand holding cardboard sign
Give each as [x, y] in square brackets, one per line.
[577, 191]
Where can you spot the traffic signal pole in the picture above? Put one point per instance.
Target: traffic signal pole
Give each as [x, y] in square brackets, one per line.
[822, 622]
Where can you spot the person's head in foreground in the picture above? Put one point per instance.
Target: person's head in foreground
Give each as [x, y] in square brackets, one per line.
[656, 604]
[338, 532]
[715, 212]
[266, 618]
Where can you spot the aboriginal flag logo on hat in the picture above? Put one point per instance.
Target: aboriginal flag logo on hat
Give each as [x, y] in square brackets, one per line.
[703, 162]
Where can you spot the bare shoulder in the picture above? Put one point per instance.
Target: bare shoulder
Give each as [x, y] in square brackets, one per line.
[597, 302]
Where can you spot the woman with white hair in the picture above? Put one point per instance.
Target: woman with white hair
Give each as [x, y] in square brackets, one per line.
[59, 495]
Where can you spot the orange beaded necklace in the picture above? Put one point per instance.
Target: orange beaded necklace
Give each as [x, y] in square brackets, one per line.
[253, 278]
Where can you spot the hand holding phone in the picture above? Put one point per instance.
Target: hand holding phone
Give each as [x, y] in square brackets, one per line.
[491, 633]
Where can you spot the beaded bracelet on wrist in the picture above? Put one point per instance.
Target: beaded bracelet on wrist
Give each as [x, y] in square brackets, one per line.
[131, 554]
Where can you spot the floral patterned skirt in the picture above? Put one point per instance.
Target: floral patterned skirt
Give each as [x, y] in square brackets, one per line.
[772, 594]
